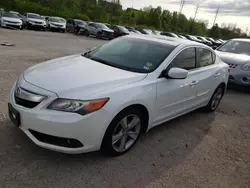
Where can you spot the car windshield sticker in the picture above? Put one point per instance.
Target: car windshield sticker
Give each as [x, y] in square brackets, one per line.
[147, 66]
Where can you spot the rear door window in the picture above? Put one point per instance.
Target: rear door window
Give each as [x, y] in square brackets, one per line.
[205, 57]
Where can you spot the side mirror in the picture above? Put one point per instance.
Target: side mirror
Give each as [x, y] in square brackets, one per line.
[214, 47]
[177, 73]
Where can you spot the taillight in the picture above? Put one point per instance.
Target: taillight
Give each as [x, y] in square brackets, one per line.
[229, 68]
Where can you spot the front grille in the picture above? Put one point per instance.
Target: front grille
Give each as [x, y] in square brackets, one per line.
[26, 103]
[58, 141]
[58, 25]
[231, 77]
[232, 66]
[38, 22]
[13, 22]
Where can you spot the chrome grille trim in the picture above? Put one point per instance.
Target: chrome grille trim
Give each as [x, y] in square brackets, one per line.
[27, 95]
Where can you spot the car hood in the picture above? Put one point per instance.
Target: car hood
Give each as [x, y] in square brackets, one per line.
[108, 30]
[81, 25]
[35, 20]
[57, 23]
[12, 19]
[232, 58]
[76, 76]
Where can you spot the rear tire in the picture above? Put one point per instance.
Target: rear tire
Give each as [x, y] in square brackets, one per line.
[123, 132]
[215, 99]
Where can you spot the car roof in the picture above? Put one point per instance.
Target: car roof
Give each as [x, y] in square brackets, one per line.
[164, 39]
[33, 13]
[242, 39]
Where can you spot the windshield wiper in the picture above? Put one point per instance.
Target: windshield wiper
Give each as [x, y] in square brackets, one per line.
[101, 61]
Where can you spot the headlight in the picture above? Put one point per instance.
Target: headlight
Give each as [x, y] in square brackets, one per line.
[77, 106]
[246, 67]
[52, 25]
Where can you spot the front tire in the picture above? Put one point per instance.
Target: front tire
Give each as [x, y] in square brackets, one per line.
[215, 99]
[123, 132]
[86, 32]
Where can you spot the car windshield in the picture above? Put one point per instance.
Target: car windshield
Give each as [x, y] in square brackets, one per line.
[80, 22]
[53, 19]
[132, 54]
[236, 47]
[35, 16]
[123, 29]
[63, 20]
[100, 25]
[10, 15]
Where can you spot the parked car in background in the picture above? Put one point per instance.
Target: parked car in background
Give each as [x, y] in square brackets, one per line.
[236, 53]
[99, 30]
[8, 19]
[193, 38]
[214, 42]
[130, 28]
[75, 25]
[181, 36]
[1, 10]
[107, 97]
[157, 32]
[55, 24]
[135, 31]
[205, 41]
[168, 34]
[119, 30]
[146, 31]
[34, 21]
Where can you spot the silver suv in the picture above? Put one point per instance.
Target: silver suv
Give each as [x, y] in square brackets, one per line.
[99, 30]
[34, 21]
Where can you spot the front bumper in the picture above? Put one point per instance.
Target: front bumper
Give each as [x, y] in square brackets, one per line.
[35, 26]
[14, 25]
[105, 34]
[58, 28]
[239, 77]
[47, 128]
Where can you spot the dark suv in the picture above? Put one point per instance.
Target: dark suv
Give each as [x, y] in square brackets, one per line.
[75, 25]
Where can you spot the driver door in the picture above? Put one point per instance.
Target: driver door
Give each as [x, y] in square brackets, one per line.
[177, 96]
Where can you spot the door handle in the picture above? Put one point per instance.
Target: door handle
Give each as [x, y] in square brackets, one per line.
[217, 75]
[193, 83]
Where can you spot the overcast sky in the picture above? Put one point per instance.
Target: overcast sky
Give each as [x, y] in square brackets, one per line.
[231, 11]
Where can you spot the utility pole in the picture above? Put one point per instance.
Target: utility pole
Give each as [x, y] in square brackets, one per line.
[182, 5]
[196, 9]
[216, 15]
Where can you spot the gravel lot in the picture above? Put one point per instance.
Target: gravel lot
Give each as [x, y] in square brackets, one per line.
[197, 150]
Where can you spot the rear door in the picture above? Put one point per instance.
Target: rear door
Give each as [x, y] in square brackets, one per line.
[208, 74]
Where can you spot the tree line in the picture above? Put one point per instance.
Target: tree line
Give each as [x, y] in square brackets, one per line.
[148, 17]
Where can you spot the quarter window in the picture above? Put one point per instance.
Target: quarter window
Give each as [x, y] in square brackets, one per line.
[205, 57]
[185, 59]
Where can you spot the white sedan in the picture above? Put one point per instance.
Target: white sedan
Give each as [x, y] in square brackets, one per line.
[105, 98]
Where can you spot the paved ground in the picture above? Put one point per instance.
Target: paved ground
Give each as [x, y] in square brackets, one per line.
[197, 150]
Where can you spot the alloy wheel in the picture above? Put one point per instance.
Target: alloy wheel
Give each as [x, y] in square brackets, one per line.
[216, 98]
[126, 133]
